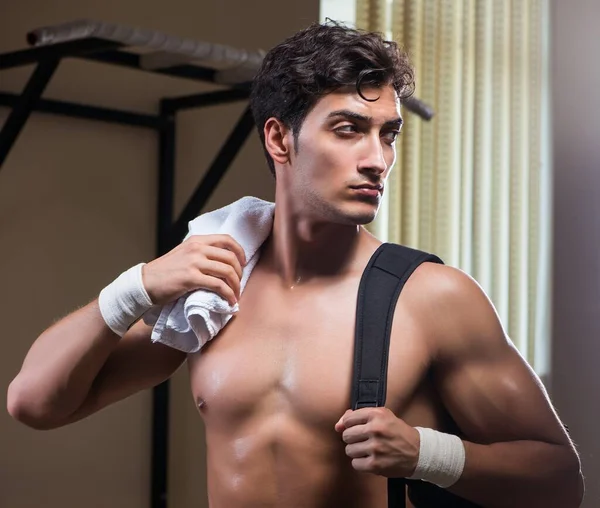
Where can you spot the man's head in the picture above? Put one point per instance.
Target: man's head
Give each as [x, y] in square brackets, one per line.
[326, 104]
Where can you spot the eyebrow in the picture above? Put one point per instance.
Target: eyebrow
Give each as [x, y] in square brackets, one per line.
[352, 115]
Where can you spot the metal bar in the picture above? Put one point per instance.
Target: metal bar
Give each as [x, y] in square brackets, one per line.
[419, 108]
[160, 448]
[22, 109]
[60, 50]
[207, 99]
[169, 235]
[214, 174]
[72, 109]
[160, 393]
[166, 179]
[132, 61]
[161, 45]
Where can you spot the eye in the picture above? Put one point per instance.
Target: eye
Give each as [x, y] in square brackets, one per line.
[391, 136]
[346, 129]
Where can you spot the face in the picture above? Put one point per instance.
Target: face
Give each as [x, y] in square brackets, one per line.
[346, 148]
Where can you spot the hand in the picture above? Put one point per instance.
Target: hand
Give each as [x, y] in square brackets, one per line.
[212, 262]
[378, 442]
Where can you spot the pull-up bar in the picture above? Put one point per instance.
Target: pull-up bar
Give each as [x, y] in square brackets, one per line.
[233, 65]
[105, 42]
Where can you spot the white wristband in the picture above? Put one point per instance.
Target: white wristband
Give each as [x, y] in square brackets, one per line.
[441, 458]
[124, 300]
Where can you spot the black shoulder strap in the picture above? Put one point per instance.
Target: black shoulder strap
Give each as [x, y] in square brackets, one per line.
[382, 281]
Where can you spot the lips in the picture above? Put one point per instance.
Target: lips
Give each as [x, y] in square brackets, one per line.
[368, 191]
[368, 187]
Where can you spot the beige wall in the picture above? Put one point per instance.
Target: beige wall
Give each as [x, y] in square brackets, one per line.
[576, 281]
[77, 206]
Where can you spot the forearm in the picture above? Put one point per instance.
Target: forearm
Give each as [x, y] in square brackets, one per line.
[60, 367]
[520, 474]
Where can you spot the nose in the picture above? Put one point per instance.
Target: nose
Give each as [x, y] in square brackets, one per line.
[373, 160]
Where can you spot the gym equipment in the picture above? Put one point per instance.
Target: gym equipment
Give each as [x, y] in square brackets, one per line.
[169, 55]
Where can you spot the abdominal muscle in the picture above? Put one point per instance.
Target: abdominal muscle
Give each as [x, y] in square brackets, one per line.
[279, 462]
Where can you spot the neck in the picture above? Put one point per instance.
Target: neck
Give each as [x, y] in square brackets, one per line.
[301, 248]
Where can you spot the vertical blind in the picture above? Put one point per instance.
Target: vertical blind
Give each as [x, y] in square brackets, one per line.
[473, 184]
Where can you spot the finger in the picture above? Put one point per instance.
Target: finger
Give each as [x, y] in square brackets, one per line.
[363, 464]
[355, 434]
[358, 417]
[217, 285]
[227, 242]
[339, 426]
[222, 271]
[357, 451]
[224, 256]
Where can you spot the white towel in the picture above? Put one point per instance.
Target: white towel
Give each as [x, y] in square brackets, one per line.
[191, 321]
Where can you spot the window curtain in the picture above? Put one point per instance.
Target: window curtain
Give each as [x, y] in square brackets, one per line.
[473, 184]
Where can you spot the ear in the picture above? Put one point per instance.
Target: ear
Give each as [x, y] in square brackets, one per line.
[278, 140]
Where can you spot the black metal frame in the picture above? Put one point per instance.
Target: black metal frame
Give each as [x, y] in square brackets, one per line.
[170, 230]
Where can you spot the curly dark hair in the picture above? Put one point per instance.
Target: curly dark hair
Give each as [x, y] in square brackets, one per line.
[318, 60]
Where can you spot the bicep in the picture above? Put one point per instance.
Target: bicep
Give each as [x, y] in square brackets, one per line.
[136, 364]
[499, 398]
[486, 385]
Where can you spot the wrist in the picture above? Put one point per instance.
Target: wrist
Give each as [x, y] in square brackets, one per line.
[414, 457]
[441, 458]
[124, 300]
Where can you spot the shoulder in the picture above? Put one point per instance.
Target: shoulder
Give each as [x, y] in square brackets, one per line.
[431, 281]
[454, 309]
[445, 285]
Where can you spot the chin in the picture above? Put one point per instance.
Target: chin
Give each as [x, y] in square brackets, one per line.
[363, 220]
[348, 212]
[359, 215]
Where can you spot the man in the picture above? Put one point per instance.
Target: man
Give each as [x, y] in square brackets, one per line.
[273, 387]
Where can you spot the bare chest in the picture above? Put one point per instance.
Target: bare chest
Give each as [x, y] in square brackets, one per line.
[291, 352]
